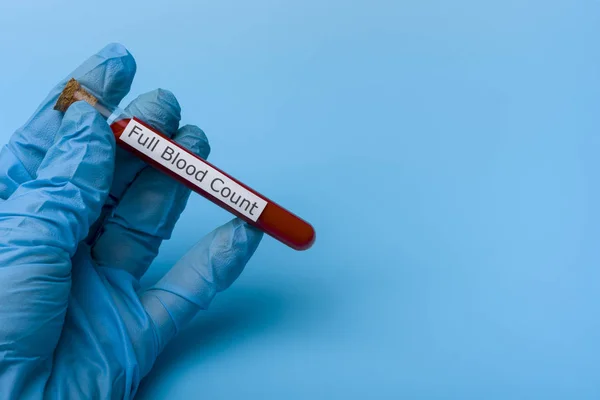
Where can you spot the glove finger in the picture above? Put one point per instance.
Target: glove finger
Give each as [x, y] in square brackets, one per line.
[208, 268]
[109, 73]
[46, 218]
[160, 109]
[147, 213]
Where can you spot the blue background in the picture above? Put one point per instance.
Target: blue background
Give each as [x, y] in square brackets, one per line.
[446, 152]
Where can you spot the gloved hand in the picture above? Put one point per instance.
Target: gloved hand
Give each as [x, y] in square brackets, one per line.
[80, 222]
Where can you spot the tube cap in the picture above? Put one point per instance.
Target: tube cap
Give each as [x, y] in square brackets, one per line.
[73, 92]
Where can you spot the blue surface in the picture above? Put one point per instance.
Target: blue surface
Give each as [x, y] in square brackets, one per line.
[446, 152]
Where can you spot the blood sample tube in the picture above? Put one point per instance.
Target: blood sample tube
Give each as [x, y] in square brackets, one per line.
[156, 149]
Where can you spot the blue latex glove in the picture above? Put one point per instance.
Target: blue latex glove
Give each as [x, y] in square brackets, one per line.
[80, 222]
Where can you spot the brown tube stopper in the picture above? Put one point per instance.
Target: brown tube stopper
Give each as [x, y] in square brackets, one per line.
[73, 92]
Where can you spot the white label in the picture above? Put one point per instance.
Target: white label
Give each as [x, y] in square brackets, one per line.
[193, 170]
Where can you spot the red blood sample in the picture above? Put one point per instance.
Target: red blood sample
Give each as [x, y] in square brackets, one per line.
[274, 220]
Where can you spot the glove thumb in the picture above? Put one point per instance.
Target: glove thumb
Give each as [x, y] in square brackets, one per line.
[208, 268]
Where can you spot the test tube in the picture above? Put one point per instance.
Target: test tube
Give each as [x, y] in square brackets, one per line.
[162, 153]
